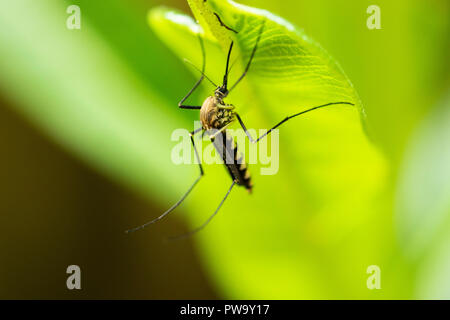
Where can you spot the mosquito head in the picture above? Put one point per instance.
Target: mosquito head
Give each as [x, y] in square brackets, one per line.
[221, 92]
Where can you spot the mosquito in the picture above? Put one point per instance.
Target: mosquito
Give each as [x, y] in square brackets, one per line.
[216, 116]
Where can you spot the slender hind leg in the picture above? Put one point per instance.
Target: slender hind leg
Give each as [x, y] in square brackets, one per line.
[284, 120]
[188, 234]
[180, 104]
[184, 196]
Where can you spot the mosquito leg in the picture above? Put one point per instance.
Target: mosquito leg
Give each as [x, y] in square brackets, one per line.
[213, 136]
[192, 134]
[225, 77]
[284, 120]
[223, 24]
[185, 235]
[180, 104]
[200, 71]
[183, 197]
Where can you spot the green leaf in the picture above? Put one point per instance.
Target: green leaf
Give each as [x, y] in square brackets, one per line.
[423, 204]
[303, 232]
[286, 55]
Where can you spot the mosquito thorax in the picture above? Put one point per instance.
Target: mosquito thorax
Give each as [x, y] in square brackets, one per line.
[213, 114]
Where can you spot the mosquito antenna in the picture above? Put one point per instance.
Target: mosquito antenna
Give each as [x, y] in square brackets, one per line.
[203, 74]
[190, 233]
[202, 46]
[251, 57]
[232, 65]
[225, 77]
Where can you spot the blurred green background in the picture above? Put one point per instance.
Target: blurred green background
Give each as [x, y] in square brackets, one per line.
[84, 112]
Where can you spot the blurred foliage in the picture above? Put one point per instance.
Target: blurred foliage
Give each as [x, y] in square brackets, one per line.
[311, 230]
[423, 203]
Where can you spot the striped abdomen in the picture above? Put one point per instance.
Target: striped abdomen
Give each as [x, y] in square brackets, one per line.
[233, 160]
